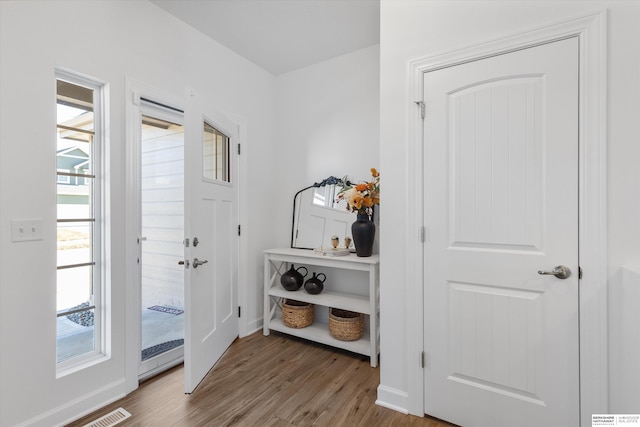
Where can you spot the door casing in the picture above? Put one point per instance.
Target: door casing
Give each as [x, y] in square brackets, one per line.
[591, 32]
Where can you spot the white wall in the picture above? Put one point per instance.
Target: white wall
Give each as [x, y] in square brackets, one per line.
[327, 124]
[108, 40]
[416, 29]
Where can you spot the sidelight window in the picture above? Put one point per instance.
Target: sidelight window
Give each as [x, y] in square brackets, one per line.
[79, 279]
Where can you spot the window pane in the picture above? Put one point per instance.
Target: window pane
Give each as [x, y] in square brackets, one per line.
[215, 154]
[75, 335]
[75, 178]
[74, 287]
[78, 254]
[74, 201]
[74, 243]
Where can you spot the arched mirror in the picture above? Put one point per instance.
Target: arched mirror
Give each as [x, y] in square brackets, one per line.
[317, 216]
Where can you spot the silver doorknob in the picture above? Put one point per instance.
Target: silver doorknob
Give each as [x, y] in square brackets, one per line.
[560, 271]
[197, 262]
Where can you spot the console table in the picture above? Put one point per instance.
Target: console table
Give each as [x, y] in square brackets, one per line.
[277, 261]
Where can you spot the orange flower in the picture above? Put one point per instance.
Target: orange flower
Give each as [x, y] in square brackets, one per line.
[356, 201]
[362, 186]
[368, 202]
[374, 173]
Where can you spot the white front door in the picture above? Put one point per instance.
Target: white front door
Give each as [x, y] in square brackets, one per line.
[211, 217]
[501, 203]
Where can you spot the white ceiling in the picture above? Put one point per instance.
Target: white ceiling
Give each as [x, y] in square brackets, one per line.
[283, 35]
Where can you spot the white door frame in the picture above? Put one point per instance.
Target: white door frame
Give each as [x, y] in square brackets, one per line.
[134, 90]
[591, 32]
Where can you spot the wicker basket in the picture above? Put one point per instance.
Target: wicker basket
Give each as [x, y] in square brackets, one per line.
[345, 325]
[297, 314]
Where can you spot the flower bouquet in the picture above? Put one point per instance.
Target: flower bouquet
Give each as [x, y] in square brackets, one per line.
[361, 198]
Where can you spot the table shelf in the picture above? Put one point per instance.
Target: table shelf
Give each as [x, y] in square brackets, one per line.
[357, 303]
[319, 332]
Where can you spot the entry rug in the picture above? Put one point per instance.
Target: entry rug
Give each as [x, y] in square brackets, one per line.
[155, 350]
[164, 309]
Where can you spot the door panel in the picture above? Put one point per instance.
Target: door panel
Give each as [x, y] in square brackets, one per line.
[501, 186]
[495, 133]
[211, 217]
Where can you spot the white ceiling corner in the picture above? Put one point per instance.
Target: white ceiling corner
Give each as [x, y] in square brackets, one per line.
[283, 35]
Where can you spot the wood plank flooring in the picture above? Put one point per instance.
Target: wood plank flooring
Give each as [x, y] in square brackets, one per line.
[267, 381]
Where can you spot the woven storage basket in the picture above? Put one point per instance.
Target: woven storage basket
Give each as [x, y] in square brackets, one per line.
[345, 325]
[297, 314]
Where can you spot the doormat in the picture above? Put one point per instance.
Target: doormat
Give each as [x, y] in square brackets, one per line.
[155, 350]
[164, 309]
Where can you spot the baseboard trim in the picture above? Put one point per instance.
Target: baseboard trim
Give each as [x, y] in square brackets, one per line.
[253, 327]
[392, 398]
[78, 408]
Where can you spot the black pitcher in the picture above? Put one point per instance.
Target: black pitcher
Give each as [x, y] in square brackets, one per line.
[314, 285]
[292, 279]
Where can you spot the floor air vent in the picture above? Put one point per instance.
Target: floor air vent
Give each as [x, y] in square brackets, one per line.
[111, 419]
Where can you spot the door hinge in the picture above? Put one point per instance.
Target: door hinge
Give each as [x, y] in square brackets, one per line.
[238, 148]
[579, 272]
[423, 358]
[423, 233]
[420, 104]
[238, 229]
[239, 311]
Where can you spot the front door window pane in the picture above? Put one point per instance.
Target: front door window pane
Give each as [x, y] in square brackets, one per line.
[215, 151]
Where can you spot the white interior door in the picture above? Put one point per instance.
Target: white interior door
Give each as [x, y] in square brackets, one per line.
[211, 217]
[501, 203]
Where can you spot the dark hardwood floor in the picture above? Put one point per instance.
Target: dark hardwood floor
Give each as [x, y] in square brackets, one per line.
[267, 381]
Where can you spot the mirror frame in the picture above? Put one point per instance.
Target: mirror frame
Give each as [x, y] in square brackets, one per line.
[332, 180]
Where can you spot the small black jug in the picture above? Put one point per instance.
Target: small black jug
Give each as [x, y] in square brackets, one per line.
[292, 279]
[314, 285]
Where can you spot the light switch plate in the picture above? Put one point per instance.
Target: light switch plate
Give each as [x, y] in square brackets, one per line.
[25, 230]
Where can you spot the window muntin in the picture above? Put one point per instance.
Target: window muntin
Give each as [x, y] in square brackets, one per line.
[79, 218]
[215, 153]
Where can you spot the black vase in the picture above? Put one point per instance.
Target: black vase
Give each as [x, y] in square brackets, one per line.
[363, 231]
[315, 284]
[292, 279]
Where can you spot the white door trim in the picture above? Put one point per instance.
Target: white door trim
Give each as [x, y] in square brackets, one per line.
[134, 91]
[591, 31]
